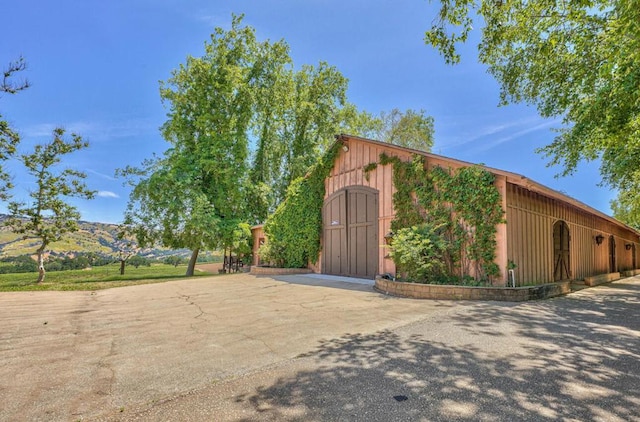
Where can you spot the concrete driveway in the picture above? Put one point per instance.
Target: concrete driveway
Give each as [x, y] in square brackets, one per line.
[76, 355]
[244, 348]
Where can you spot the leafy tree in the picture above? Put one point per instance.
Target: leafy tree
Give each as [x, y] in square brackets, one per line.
[237, 240]
[174, 260]
[298, 114]
[126, 245]
[576, 60]
[182, 198]
[18, 264]
[138, 260]
[9, 139]
[410, 129]
[626, 207]
[47, 216]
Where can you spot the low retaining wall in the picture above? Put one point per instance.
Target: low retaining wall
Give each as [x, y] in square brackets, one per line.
[630, 273]
[446, 292]
[601, 279]
[255, 270]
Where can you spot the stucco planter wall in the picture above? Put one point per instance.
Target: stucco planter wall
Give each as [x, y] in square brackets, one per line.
[447, 292]
[255, 270]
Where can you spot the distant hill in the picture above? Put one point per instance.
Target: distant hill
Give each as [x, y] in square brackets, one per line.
[99, 238]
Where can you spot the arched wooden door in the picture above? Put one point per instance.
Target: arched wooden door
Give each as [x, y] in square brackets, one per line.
[613, 266]
[350, 233]
[561, 251]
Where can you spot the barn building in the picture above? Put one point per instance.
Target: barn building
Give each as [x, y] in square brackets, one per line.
[549, 236]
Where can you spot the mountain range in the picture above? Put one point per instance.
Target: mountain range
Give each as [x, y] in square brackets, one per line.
[99, 238]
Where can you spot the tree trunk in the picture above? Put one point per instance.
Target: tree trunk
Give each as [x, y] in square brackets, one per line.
[41, 271]
[122, 264]
[192, 262]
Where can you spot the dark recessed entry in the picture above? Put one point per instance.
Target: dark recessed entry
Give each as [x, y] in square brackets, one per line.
[561, 252]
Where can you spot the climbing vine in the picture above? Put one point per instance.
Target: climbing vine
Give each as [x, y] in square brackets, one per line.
[460, 207]
[294, 230]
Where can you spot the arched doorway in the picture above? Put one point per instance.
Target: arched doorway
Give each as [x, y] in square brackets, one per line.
[350, 233]
[613, 267]
[561, 255]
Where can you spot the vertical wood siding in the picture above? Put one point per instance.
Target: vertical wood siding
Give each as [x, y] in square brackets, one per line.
[530, 220]
[257, 232]
[527, 237]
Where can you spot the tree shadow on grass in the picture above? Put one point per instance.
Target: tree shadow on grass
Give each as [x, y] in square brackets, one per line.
[578, 358]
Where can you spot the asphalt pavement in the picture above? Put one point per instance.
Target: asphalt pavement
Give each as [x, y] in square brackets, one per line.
[242, 348]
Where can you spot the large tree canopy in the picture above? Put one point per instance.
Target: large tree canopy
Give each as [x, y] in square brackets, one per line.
[243, 123]
[577, 60]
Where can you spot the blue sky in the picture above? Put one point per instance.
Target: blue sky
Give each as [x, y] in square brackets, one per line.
[95, 66]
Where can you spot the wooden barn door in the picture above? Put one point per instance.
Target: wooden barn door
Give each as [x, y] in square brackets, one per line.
[350, 221]
[334, 223]
[613, 268]
[561, 251]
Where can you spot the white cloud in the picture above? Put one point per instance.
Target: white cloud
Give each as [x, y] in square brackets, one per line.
[493, 129]
[97, 130]
[511, 137]
[484, 138]
[104, 176]
[107, 194]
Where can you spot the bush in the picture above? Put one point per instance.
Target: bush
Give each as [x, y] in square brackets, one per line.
[138, 260]
[174, 260]
[19, 264]
[418, 252]
[272, 253]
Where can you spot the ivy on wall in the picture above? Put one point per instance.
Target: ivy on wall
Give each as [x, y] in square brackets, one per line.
[294, 230]
[459, 207]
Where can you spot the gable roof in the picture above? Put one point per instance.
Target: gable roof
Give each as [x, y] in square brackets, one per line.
[513, 178]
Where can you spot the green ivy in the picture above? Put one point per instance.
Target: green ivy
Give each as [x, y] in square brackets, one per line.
[464, 204]
[294, 230]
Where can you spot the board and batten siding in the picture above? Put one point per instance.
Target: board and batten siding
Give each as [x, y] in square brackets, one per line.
[530, 220]
[348, 170]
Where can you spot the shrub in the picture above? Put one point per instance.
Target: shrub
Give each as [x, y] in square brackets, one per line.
[418, 251]
[273, 253]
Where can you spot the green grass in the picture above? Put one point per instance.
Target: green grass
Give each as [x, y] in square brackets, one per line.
[97, 278]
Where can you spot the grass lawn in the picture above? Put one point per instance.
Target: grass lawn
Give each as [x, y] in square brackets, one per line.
[94, 279]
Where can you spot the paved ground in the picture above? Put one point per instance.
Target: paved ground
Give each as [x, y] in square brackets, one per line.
[244, 348]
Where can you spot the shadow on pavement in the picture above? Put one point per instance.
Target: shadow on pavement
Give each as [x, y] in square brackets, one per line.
[578, 359]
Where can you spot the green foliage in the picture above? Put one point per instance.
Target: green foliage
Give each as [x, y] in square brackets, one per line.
[137, 261]
[578, 61]
[274, 254]
[294, 230]
[410, 129]
[18, 264]
[9, 138]
[25, 263]
[462, 206]
[48, 217]
[193, 196]
[174, 260]
[626, 207]
[418, 252]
